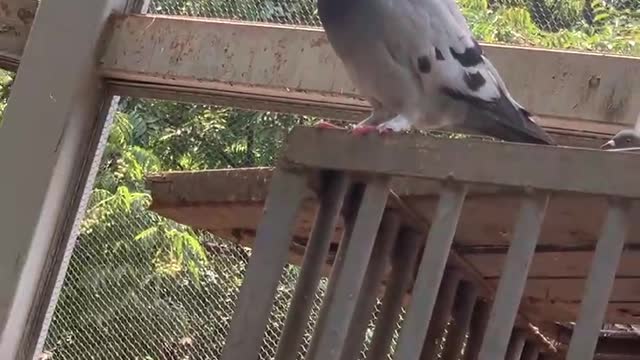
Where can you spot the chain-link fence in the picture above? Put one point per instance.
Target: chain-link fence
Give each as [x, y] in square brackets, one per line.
[140, 286]
[590, 25]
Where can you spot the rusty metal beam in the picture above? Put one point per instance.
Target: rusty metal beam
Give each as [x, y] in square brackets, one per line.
[262, 65]
[16, 17]
[271, 60]
[492, 163]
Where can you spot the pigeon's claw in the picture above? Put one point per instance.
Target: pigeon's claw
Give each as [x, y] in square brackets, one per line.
[397, 124]
[361, 130]
[326, 125]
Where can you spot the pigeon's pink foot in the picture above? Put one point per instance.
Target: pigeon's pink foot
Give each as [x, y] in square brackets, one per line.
[363, 130]
[385, 130]
[326, 125]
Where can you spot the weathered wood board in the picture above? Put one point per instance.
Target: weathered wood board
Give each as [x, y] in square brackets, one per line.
[229, 203]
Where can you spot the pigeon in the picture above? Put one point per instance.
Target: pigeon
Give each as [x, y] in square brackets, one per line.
[419, 66]
[627, 138]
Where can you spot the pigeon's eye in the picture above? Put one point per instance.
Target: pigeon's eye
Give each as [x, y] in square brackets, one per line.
[628, 140]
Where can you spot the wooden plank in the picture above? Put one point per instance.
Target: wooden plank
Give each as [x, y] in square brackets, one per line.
[613, 345]
[600, 282]
[55, 159]
[332, 195]
[466, 298]
[556, 264]
[403, 263]
[16, 18]
[265, 266]
[224, 200]
[378, 263]
[350, 208]
[349, 280]
[477, 330]
[570, 290]
[441, 313]
[249, 58]
[512, 282]
[430, 271]
[531, 351]
[494, 163]
[516, 345]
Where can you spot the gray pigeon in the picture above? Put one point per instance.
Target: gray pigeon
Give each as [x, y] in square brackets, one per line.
[418, 65]
[628, 138]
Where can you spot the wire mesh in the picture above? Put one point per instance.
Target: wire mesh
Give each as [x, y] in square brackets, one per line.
[590, 25]
[140, 286]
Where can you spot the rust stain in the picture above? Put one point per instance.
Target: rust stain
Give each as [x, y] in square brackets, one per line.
[321, 41]
[5, 8]
[26, 16]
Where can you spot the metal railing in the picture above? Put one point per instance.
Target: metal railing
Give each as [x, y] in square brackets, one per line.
[372, 229]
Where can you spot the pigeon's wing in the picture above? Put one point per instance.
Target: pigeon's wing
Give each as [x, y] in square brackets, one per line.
[463, 73]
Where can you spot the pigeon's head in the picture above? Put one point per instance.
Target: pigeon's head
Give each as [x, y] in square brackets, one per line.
[624, 139]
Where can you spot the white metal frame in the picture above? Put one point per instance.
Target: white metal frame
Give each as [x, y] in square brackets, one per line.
[47, 142]
[52, 122]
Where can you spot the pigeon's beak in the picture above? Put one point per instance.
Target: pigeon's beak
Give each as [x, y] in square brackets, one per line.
[608, 145]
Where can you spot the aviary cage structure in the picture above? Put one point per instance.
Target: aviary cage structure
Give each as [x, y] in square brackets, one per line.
[398, 247]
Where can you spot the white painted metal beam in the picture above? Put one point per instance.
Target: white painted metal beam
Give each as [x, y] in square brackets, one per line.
[293, 69]
[297, 66]
[47, 142]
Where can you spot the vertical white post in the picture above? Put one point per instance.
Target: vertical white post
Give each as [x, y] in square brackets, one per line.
[47, 143]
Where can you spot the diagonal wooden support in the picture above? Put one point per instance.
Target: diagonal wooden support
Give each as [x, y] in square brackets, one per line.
[332, 332]
[334, 189]
[477, 329]
[514, 276]
[466, 298]
[264, 270]
[441, 313]
[516, 345]
[403, 263]
[531, 351]
[600, 281]
[430, 272]
[385, 240]
[349, 212]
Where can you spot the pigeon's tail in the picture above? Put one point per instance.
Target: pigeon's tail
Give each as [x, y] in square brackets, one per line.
[507, 121]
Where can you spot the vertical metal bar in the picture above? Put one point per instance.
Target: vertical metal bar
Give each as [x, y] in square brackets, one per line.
[430, 271]
[367, 299]
[477, 330]
[516, 345]
[334, 188]
[348, 282]
[462, 313]
[403, 263]
[531, 351]
[600, 281]
[514, 276]
[267, 260]
[349, 211]
[57, 80]
[441, 313]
